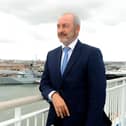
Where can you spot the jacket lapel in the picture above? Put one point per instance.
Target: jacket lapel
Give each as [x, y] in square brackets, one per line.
[58, 61]
[74, 57]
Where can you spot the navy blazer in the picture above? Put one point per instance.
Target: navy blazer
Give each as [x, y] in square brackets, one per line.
[83, 84]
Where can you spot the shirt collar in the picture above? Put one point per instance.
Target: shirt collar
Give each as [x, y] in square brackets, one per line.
[72, 44]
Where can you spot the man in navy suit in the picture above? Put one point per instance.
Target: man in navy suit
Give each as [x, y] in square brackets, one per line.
[77, 95]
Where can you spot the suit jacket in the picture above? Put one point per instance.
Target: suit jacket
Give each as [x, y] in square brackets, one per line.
[83, 84]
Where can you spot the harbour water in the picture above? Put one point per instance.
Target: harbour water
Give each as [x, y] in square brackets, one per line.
[9, 92]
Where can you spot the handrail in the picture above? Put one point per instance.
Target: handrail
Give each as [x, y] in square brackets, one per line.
[20, 101]
[116, 79]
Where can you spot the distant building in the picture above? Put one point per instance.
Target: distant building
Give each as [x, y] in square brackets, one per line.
[18, 65]
[5, 66]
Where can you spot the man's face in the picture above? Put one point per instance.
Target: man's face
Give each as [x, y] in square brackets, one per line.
[66, 29]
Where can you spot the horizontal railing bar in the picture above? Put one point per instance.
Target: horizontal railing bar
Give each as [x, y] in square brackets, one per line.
[116, 80]
[34, 113]
[20, 101]
[8, 122]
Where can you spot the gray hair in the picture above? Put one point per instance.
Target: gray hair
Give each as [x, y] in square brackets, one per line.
[76, 18]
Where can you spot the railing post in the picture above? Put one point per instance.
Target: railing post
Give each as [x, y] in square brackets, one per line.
[18, 116]
[43, 119]
[123, 105]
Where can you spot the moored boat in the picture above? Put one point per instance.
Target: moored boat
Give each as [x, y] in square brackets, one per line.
[17, 77]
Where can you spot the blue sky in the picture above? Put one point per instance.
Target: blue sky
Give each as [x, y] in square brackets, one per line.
[28, 27]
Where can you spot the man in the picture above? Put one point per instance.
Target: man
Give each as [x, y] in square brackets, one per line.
[76, 92]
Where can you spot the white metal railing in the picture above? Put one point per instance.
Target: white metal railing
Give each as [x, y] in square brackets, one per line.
[114, 107]
[18, 117]
[116, 101]
[17, 121]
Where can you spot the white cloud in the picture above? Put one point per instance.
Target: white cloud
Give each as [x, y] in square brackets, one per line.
[17, 38]
[47, 10]
[28, 27]
[109, 38]
[113, 12]
[37, 11]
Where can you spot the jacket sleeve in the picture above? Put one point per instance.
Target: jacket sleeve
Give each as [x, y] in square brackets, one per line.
[96, 88]
[45, 83]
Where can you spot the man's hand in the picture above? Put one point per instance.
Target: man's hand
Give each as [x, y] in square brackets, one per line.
[60, 105]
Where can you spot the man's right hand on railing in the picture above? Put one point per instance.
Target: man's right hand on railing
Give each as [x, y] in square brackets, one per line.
[60, 105]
